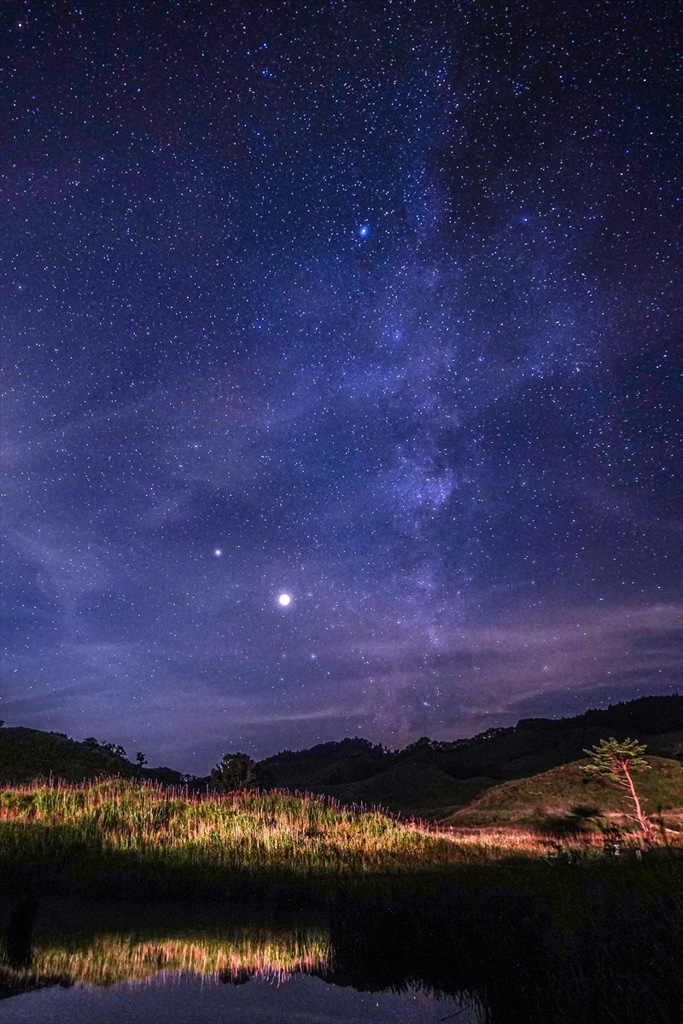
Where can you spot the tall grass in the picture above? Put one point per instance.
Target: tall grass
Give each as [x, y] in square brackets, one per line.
[241, 833]
[118, 825]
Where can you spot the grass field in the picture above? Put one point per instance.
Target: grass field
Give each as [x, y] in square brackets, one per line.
[504, 911]
[119, 824]
[116, 825]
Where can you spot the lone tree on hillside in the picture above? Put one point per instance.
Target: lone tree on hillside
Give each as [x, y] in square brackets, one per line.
[616, 760]
[234, 772]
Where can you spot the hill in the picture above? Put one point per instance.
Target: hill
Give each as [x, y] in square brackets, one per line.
[421, 790]
[432, 778]
[429, 778]
[28, 754]
[567, 789]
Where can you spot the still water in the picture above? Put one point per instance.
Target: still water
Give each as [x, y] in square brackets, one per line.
[471, 956]
[74, 963]
[186, 999]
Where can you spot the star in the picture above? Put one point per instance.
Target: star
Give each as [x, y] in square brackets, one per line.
[464, 424]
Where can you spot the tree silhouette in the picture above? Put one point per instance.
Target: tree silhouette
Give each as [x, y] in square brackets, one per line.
[616, 760]
[235, 771]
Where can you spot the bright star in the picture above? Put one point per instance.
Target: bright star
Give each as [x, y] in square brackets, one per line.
[363, 230]
[284, 600]
[218, 552]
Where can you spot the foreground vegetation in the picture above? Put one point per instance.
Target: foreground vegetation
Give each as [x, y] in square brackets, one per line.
[89, 834]
[523, 926]
[121, 825]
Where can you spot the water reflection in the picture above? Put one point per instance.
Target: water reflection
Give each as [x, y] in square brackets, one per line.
[177, 970]
[490, 956]
[189, 1000]
[231, 953]
[103, 944]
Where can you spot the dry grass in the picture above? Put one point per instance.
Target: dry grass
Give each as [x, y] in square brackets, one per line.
[239, 833]
[117, 825]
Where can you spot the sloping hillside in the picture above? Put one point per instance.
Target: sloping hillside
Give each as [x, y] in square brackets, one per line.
[27, 754]
[567, 792]
[427, 779]
[423, 791]
[530, 747]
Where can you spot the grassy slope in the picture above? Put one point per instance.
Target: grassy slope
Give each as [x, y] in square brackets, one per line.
[119, 837]
[120, 826]
[417, 787]
[558, 791]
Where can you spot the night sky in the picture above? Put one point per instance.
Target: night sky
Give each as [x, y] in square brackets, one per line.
[371, 304]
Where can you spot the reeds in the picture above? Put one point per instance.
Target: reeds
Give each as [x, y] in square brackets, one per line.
[121, 825]
[238, 833]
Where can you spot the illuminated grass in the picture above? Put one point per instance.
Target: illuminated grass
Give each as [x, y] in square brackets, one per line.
[241, 833]
[118, 825]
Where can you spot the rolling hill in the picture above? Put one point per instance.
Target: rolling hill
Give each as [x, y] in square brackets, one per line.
[434, 778]
[568, 799]
[27, 754]
[430, 778]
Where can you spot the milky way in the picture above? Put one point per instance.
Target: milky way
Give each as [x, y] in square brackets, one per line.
[374, 306]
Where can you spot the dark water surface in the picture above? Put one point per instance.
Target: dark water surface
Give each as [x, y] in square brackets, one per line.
[485, 955]
[190, 999]
[81, 962]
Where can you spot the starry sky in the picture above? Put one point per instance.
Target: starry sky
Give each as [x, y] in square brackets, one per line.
[372, 304]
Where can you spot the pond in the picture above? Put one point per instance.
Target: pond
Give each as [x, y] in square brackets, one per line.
[186, 999]
[76, 962]
[481, 956]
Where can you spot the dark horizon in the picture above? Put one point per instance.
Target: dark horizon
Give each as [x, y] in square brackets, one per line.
[151, 766]
[340, 369]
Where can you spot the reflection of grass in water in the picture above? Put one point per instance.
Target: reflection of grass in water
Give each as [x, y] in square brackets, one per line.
[231, 953]
[576, 947]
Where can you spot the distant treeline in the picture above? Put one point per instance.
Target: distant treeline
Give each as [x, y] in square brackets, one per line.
[646, 714]
[533, 745]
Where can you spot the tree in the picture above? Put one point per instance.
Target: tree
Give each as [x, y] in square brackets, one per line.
[616, 760]
[141, 759]
[114, 748]
[235, 771]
